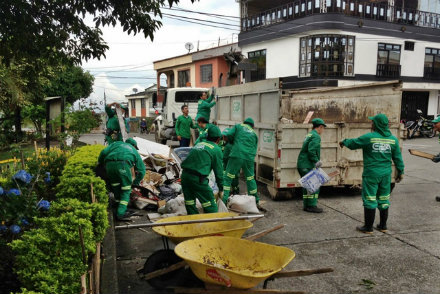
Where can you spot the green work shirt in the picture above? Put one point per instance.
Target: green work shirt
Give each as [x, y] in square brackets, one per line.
[184, 125]
[244, 142]
[204, 107]
[203, 158]
[378, 151]
[310, 152]
[121, 151]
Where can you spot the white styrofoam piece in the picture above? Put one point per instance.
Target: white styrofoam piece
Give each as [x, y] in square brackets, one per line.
[147, 147]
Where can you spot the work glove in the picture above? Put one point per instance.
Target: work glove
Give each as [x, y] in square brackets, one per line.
[399, 178]
[436, 158]
[341, 144]
[318, 164]
[220, 195]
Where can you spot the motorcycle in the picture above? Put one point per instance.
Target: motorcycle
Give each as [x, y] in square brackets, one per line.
[424, 127]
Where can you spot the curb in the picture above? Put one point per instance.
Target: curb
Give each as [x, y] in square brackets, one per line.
[109, 277]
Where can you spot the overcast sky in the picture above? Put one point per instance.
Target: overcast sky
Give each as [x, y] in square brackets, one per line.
[129, 61]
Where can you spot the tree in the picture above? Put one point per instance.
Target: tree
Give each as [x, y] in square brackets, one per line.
[56, 29]
[71, 82]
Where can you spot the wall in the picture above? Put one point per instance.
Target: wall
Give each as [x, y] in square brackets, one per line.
[219, 66]
[282, 55]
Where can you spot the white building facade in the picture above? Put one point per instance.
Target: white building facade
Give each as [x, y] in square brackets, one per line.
[313, 43]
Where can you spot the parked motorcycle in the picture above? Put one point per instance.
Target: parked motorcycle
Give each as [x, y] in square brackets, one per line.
[422, 126]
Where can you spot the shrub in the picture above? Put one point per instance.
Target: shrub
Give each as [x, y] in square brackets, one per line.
[79, 188]
[49, 259]
[82, 210]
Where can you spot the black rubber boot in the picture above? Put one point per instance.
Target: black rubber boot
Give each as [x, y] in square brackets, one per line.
[313, 209]
[437, 198]
[367, 228]
[382, 226]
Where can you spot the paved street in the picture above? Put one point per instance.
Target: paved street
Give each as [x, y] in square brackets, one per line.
[404, 260]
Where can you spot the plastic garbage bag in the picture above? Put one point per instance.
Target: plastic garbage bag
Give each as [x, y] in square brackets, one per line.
[314, 180]
[243, 203]
[221, 206]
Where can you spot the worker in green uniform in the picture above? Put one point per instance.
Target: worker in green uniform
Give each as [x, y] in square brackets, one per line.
[204, 106]
[309, 158]
[113, 131]
[203, 158]
[436, 159]
[184, 124]
[203, 126]
[226, 149]
[379, 148]
[244, 148]
[119, 158]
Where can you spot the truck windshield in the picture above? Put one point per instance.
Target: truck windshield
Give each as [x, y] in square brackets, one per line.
[188, 96]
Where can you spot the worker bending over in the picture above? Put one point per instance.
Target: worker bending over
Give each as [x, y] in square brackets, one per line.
[309, 158]
[378, 148]
[121, 161]
[244, 149]
[202, 158]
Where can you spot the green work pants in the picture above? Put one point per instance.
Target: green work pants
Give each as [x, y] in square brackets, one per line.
[235, 187]
[376, 192]
[309, 200]
[194, 189]
[233, 169]
[119, 175]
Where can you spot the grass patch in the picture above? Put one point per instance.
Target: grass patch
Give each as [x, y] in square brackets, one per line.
[9, 154]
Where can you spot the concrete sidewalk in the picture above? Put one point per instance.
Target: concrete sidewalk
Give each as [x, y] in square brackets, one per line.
[404, 260]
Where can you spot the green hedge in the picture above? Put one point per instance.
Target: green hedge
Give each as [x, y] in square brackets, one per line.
[49, 258]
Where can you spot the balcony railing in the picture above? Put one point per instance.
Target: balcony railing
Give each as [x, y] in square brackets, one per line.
[431, 73]
[388, 70]
[362, 10]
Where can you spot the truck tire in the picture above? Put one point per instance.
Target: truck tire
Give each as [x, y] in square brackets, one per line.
[279, 194]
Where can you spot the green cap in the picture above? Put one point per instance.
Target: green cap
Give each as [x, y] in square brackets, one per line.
[318, 122]
[249, 121]
[132, 142]
[225, 131]
[124, 107]
[436, 120]
[214, 132]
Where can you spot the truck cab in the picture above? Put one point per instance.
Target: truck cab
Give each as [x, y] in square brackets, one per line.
[174, 99]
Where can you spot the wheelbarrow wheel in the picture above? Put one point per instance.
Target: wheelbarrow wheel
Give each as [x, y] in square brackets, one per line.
[163, 259]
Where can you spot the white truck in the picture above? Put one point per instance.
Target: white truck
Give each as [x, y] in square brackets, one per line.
[279, 115]
[174, 99]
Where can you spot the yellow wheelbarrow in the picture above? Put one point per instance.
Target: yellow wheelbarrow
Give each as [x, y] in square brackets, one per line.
[164, 268]
[236, 263]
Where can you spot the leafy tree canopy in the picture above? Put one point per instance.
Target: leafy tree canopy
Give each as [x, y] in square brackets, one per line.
[52, 29]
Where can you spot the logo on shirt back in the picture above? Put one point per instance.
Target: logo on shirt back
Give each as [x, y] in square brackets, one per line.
[381, 147]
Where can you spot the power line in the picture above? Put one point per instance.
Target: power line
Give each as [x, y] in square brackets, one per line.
[201, 20]
[203, 13]
[208, 25]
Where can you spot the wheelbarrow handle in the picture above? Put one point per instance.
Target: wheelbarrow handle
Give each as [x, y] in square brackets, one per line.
[196, 221]
[301, 273]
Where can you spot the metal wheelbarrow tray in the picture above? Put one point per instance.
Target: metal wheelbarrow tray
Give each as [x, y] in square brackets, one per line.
[179, 233]
[237, 264]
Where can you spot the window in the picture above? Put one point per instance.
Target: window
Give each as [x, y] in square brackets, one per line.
[259, 58]
[326, 56]
[388, 60]
[143, 103]
[432, 63]
[133, 104]
[206, 73]
[187, 96]
[409, 46]
[183, 78]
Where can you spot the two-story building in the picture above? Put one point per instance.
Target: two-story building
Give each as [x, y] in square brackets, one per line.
[214, 67]
[312, 43]
[141, 104]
